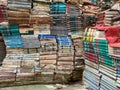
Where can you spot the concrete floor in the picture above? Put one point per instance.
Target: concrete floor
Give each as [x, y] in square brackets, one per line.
[31, 87]
[75, 86]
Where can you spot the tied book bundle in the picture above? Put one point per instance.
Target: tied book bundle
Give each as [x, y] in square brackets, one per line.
[48, 52]
[65, 59]
[106, 17]
[40, 13]
[41, 29]
[3, 13]
[19, 11]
